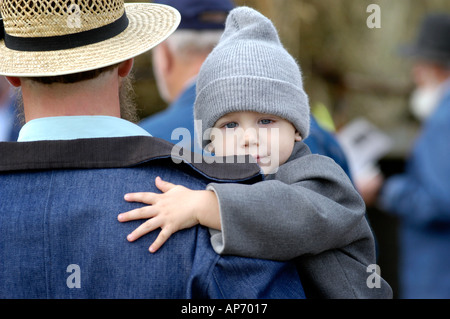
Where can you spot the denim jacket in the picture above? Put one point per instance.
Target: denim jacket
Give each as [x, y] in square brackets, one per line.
[60, 237]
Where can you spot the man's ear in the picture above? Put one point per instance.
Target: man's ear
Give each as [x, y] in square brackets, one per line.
[170, 58]
[125, 67]
[164, 58]
[14, 81]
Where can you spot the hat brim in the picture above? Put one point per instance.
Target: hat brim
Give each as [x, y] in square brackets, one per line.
[149, 25]
[413, 51]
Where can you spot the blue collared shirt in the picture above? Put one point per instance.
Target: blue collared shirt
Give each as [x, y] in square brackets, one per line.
[76, 127]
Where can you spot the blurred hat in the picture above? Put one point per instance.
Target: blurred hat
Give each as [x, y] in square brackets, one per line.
[433, 40]
[57, 37]
[201, 14]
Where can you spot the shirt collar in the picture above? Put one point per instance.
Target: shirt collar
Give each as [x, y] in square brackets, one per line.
[77, 127]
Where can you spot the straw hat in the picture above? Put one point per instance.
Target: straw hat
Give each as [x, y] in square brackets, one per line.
[57, 37]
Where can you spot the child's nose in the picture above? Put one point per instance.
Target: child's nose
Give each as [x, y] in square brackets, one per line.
[250, 137]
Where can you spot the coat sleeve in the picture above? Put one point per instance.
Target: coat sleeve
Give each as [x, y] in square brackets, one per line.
[311, 207]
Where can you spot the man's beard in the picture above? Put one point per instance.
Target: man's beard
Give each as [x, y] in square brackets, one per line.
[128, 108]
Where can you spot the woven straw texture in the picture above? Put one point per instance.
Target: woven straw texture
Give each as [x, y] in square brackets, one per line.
[149, 24]
[43, 18]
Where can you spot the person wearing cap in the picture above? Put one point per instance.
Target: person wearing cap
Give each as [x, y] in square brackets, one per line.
[420, 196]
[76, 157]
[307, 208]
[176, 63]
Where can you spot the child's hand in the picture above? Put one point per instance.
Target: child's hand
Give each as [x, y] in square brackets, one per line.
[171, 211]
[177, 208]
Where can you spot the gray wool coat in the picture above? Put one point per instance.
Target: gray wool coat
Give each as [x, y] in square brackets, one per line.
[309, 211]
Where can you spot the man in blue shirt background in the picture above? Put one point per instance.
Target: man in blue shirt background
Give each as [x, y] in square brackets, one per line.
[420, 196]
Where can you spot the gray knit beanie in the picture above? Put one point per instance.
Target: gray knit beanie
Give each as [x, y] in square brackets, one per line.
[249, 70]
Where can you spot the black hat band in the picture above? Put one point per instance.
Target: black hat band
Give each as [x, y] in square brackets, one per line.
[67, 41]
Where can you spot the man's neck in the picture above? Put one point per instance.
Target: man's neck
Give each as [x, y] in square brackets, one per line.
[92, 97]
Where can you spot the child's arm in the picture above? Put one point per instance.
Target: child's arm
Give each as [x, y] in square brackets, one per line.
[310, 207]
[176, 208]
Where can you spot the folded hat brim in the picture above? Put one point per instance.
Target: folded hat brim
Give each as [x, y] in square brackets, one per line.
[149, 25]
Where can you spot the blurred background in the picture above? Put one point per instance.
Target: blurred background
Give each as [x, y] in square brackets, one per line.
[349, 68]
[350, 71]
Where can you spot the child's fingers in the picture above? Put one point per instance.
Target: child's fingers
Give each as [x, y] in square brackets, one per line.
[164, 234]
[143, 197]
[143, 229]
[163, 186]
[138, 213]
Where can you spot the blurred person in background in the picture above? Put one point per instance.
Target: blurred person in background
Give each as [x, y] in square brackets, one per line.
[176, 63]
[420, 196]
[9, 123]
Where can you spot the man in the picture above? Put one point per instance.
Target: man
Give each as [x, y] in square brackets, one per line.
[9, 124]
[176, 63]
[62, 186]
[420, 196]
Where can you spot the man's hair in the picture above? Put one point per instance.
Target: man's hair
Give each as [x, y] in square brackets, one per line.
[188, 43]
[72, 78]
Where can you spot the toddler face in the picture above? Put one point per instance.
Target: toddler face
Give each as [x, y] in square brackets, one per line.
[269, 139]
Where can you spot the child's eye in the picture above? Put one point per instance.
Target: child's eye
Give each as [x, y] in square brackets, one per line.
[266, 121]
[231, 125]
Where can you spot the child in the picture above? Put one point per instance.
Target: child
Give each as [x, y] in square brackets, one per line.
[250, 91]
